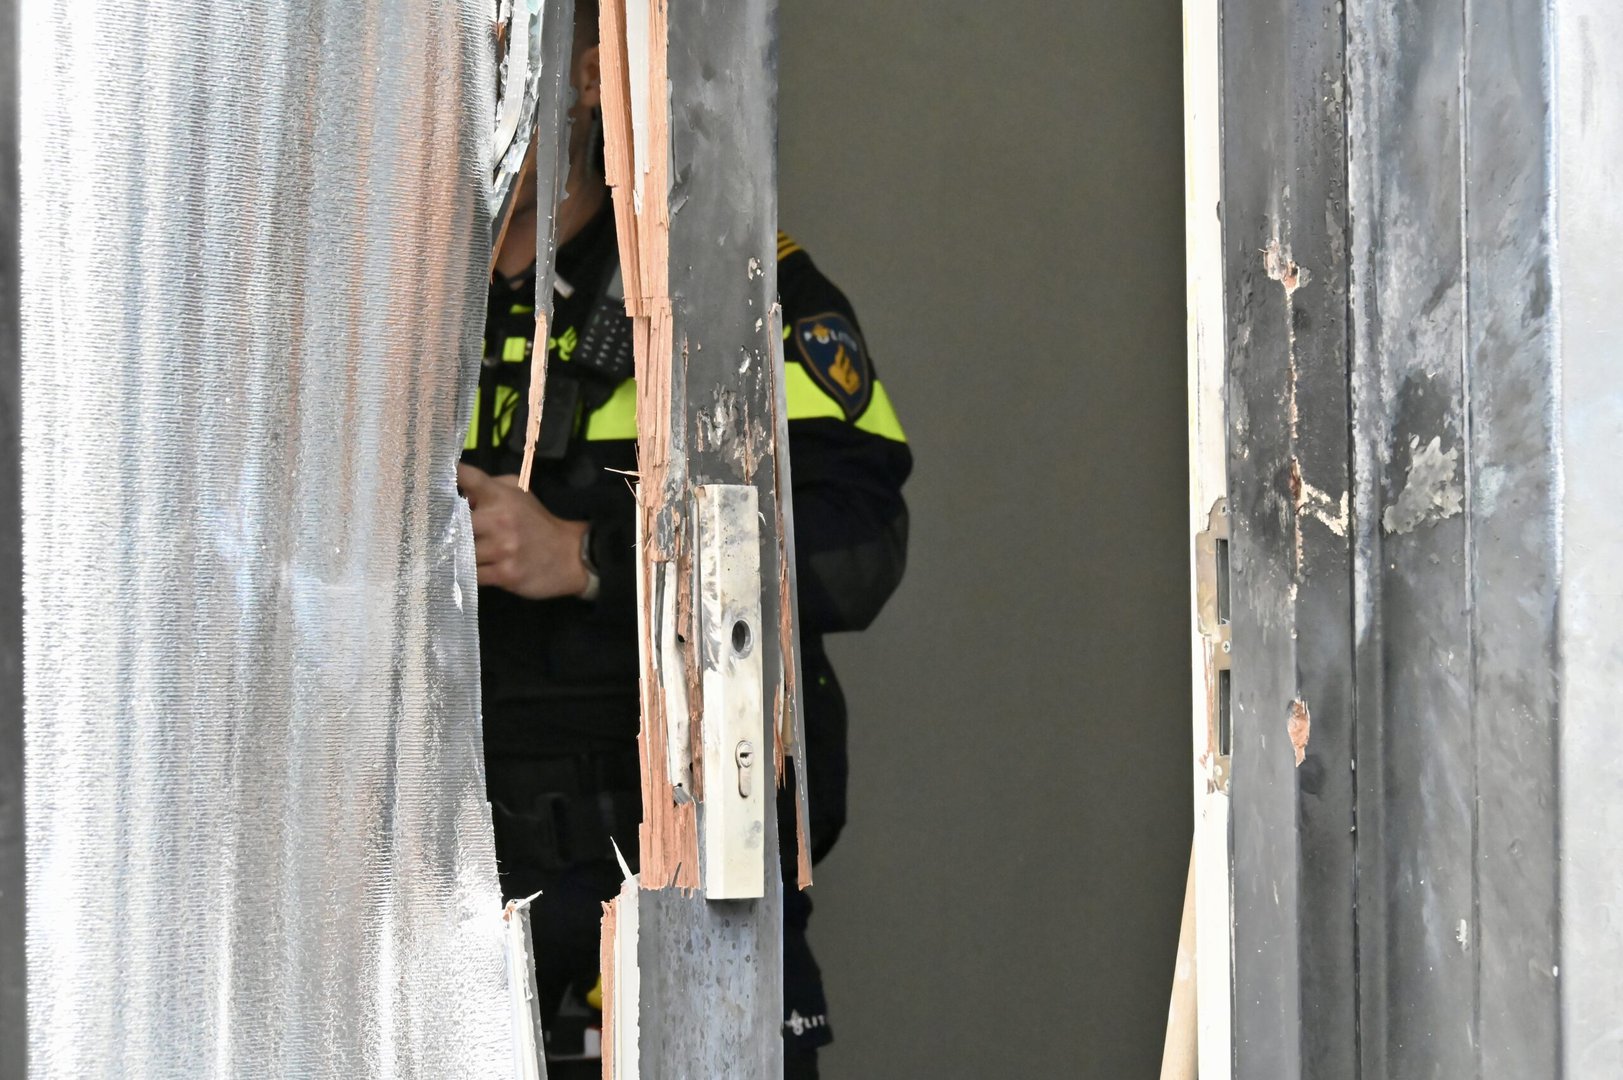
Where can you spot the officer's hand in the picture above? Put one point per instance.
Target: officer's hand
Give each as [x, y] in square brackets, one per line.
[518, 544]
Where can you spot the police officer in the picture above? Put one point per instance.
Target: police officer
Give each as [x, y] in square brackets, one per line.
[557, 617]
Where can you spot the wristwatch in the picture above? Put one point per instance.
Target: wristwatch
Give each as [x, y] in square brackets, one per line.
[594, 583]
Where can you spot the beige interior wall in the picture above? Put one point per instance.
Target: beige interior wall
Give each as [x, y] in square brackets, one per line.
[999, 188]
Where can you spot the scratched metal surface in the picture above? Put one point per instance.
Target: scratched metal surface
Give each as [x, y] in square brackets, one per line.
[1459, 540]
[256, 246]
[1469, 315]
[1284, 220]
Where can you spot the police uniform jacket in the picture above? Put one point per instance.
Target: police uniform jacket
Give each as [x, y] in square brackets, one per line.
[560, 677]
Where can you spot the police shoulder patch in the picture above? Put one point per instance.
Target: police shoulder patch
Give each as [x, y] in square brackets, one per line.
[833, 354]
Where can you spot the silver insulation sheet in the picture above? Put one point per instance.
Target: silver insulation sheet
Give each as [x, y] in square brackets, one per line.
[255, 251]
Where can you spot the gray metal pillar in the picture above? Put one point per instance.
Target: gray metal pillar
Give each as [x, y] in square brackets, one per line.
[690, 118]
[696, 953]
[1425, 420]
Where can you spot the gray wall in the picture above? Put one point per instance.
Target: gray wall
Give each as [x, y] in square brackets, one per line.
[999, 188]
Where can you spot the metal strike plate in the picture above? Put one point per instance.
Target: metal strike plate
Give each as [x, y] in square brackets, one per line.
[1211, 571]
[733, 813]
[1212, 617]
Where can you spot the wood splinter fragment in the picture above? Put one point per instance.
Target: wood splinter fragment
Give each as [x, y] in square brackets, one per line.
[636, 117]
[538, 393]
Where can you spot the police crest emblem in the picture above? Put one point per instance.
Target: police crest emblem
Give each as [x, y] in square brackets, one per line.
[833, 354]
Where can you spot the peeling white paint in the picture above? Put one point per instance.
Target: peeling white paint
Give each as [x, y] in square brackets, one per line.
[1333, 514]
[1431, 491]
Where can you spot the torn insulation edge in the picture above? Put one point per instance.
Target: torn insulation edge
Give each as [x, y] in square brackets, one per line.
[622, 991]
[523, 996]
[520, 33]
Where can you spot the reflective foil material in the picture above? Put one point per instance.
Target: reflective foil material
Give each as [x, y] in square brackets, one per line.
[255, 245]
[519, 33]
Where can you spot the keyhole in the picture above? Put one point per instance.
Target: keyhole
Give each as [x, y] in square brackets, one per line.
[741, 637]
[744, 754]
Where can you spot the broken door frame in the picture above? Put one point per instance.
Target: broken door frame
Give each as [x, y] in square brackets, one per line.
[1269, 415]
[1415, 365]
[689, 110]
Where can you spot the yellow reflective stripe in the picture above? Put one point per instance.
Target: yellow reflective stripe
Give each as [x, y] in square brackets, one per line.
[808, 401]
[472, 441]
[880, 417]
[617, 419]
[513, 350]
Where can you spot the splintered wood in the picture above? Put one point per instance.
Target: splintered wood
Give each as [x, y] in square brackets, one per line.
[538, 387]
[697, 267]
[636, 125]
